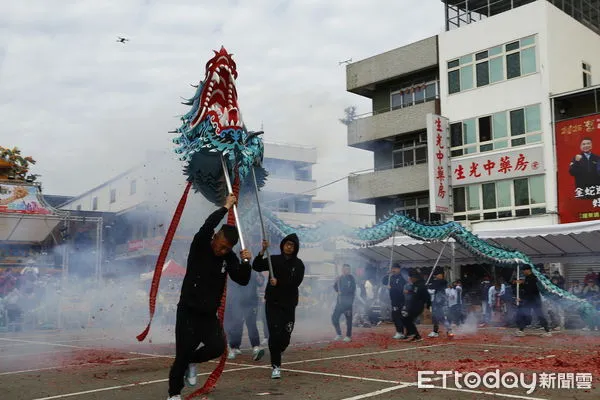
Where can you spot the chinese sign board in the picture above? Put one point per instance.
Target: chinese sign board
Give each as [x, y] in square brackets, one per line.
[486, 167]
[21, 199]
[440, 180]
[578, 165]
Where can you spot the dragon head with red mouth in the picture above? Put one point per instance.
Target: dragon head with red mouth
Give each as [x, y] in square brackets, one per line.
[214, 128]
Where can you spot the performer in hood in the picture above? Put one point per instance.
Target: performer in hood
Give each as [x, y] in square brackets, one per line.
[345, 287]
[198, 333]
[281, 295]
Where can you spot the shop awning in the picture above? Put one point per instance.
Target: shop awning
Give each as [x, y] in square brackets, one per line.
[565, 243]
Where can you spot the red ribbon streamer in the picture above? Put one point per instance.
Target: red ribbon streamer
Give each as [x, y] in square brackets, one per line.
[164, 251]
[213, 378]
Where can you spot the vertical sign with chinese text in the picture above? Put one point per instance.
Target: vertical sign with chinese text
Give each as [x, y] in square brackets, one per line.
[578, 168]
[438, 149]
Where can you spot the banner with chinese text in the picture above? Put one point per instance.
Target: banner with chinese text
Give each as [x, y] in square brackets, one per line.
[578, 165]
[485, 167]
[438, 149]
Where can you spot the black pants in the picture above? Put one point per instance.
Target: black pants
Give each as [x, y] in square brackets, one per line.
[238, 316]
[281, 319]
[191, 330]
[409, 323]
[456, 314]
[526, 310]
[439, 316]
[397, 318]
[346, 310]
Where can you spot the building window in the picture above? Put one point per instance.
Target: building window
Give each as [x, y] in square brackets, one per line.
[415, 94]
[587, 74]
[94, 203]
[497, 131]
[302, 173]
[492, 65]
[283, 206]
[78, 208]
[501, 199]
[113, 195]
[416, 208]
[132, 187]
[410, 150]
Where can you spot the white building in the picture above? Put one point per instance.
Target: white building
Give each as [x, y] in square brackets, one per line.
[497, 66]
[496, 76]
[145, 198]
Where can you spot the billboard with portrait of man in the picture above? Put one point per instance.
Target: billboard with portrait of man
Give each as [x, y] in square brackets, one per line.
[578, 164]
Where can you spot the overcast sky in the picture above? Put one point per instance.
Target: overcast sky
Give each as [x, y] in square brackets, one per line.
[86, 107]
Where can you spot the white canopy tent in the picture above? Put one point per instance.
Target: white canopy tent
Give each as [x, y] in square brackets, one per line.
[566, 243]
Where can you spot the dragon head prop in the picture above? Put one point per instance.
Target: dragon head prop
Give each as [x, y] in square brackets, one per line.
[214, 128]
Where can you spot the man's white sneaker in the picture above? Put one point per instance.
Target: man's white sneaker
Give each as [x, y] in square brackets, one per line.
[276, 374]
[547, 334]
[347, 339]
[237, 351]
[399, 335]
[520, 333]
[176, 397]
[257, 353]
[433, 334]
[337, 337]
[231, 355]
[190, 375]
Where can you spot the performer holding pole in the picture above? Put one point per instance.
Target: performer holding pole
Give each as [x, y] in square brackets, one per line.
[281, 296]
[209, 261]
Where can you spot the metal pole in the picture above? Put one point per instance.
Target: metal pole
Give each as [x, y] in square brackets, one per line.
[518, 284]
[437, 261]
[391, 259]
[262, 224]
[235, 212]
[99, 226]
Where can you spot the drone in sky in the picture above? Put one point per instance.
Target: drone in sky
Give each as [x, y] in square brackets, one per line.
[122, 39]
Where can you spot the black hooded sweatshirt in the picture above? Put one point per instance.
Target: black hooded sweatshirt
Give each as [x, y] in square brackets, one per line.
[289, 273]
[206, 273]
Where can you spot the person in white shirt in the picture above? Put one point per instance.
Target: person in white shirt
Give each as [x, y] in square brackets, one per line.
[494, 294]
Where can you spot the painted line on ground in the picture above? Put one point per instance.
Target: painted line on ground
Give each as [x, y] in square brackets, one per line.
[367, 354]
[22, 355]
[62, 396]
[48, 343]
[512, 396]
[376, 393]
[58, 341]
[74, 365]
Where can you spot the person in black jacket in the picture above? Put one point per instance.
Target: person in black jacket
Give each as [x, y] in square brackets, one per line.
[345, 287]
[281, 295]
[416, 297]
[439, 304]
[198, 333]
[530, 303]
[242, 306]
[396, 283]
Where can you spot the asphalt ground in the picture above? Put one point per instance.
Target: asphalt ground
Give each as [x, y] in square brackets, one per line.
[101, 364]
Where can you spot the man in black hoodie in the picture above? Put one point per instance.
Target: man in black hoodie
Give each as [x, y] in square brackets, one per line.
[416, 297]
[439, 304]
[530, 303]
[198, 333]
[281, 295]
[396, 283]
[345, 287]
